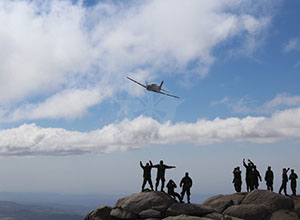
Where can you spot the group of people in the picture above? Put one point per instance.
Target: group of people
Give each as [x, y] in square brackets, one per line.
[253, 177]
[186, 182]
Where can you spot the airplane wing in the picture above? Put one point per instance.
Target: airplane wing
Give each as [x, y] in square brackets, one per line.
[136, 82]
[165, 90]
[174, 96]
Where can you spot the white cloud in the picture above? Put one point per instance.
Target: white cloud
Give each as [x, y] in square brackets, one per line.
[47, 47]
[30, 139]
[65, 104]
[222, 101]
[293, 44]
[281, 101]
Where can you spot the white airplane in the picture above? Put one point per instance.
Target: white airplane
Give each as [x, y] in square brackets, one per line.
[155, 88]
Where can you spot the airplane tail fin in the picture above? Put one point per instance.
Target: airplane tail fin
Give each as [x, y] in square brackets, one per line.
[162, 82]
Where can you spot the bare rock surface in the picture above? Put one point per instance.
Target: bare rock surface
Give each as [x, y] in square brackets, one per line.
[273, 201]
[219, 216]
[248, 211]
[296, 200]
[102, 213]
[222, 202]
[185, 217]
[150, 213]
[152, 205]
[284, 215]
[188, 209]
[120, 213]
[139, 202]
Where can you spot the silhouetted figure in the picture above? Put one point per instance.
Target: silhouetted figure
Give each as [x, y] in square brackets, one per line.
[284, 181]
[161, 168]
[147, 174]
[186, 184]
[237, 179]
[256, 176]
[249, 175]
[171, 185]
[269, 177]
[293, 177]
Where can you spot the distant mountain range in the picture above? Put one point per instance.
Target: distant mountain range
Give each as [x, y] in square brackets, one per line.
[15, 211]
[49, 206]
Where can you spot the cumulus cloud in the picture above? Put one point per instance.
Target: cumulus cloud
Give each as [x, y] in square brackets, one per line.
[48, 47]
[69, 104]
[29, 139]
[281, 101]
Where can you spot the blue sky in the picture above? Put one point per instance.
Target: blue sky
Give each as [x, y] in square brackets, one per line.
[70, 121]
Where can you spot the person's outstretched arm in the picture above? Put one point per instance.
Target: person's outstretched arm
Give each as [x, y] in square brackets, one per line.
[169, 167]
[141, 164]
[151, 164]
[245, 165]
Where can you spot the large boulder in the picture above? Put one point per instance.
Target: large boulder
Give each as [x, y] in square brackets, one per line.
[137, 204]
[150, 213]
[296, 200]
[185, 217]
[284, 215]
[222, 202]
[271, 200]
[188, 209]
[123, 214]
[218, 216]
[248, 211]
[102, 213]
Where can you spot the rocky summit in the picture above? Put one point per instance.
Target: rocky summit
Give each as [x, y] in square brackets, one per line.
[153, 205]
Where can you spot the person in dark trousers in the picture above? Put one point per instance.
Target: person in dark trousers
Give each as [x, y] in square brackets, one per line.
[293, 177]
[256, 177]
[186, 184]
[269, 177]
[161, 169]
[171, 185]
[147, 174]
[237, 179]
[249, 175]
[284, 181]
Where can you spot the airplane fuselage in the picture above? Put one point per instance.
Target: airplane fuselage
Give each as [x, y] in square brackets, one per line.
[153, 88]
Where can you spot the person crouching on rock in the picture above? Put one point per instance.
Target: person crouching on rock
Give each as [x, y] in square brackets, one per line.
[171, 186]
[284, 181]
[237, 179]
[147, 174]
[186, 184]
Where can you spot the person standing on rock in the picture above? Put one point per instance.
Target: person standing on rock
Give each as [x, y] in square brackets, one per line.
[161, 170]
[249, 175]
[284, 181]
[237, 179]
[293, 177]
[171, 185]
[269, 177]
[186, 184]
[256, 177]
[147, 174]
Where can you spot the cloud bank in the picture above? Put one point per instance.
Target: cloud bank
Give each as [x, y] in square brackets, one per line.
[30, 139]
[279, 102]
[49, 48]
